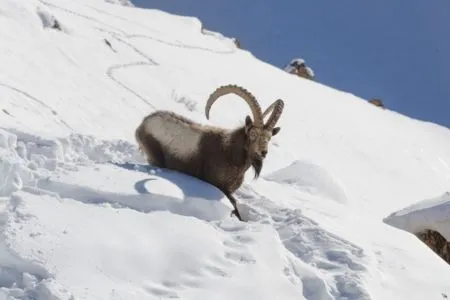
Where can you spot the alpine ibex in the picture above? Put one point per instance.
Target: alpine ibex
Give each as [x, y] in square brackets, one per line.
[216, 155]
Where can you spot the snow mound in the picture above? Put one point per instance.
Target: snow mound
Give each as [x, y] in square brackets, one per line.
[147, 257]
[432, 214]
[142, 189]
[25, 158]
[15, 169]
[49, 21]
[37, 164]
[312, 178]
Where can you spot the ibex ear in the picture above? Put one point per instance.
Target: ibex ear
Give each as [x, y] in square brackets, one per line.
[275, 130]
[248, 123]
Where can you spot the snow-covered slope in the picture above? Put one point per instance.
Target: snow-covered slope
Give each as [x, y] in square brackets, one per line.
[84, 217]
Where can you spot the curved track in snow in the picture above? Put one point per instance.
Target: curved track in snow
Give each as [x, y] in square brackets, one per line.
[120, 35]
[148, 62]
[110, 71]
[168, 43]
[40, 102]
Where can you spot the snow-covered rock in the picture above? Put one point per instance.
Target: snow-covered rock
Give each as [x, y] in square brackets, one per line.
[429, 220]
[298, 67]
[121, 2]
[433, 213]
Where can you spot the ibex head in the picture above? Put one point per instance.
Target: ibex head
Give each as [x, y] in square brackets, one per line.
[258, 133]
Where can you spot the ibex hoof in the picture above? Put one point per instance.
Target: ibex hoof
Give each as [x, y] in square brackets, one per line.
[236, 213]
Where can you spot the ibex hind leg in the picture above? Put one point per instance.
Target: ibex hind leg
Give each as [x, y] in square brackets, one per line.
[155, 158]
[152, 150]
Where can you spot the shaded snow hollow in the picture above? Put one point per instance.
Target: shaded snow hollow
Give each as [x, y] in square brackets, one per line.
[84, 217]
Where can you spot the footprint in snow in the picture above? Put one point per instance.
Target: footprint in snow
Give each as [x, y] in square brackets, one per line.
[162, 292]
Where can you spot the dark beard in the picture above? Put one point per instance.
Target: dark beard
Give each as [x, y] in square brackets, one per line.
[257, 165]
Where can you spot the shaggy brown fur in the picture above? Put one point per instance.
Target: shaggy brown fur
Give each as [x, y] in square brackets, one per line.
[216, 155]
[223, 161]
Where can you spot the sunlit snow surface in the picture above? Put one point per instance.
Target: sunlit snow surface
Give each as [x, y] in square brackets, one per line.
[84, 217]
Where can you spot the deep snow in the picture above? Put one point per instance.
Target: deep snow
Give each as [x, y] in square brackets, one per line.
[83, 216]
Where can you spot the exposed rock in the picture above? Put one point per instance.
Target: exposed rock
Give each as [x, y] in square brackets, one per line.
[237, 42]
[298, 67]
[436, 242]
[377, 102]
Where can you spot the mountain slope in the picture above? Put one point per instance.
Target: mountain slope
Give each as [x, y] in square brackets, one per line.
[83, 216]
[348, 47]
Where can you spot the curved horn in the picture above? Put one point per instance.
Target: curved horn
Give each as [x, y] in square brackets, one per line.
[277, 109]
[244, 94]
[269, 109]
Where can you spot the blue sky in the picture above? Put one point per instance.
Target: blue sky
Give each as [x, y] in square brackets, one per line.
[398, 51]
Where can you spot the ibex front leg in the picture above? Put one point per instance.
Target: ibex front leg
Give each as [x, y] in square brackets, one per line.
[233, 201]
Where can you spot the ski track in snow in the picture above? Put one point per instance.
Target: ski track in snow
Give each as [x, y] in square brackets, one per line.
[177, 44]
[110, 71]
[118, 36]
[149, 62]
[40, 102]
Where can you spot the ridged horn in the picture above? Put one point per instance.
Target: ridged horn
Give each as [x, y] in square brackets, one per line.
[244, 94]
[277, 109]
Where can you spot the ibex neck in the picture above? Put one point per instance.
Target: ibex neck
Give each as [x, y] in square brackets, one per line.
[238, 152]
